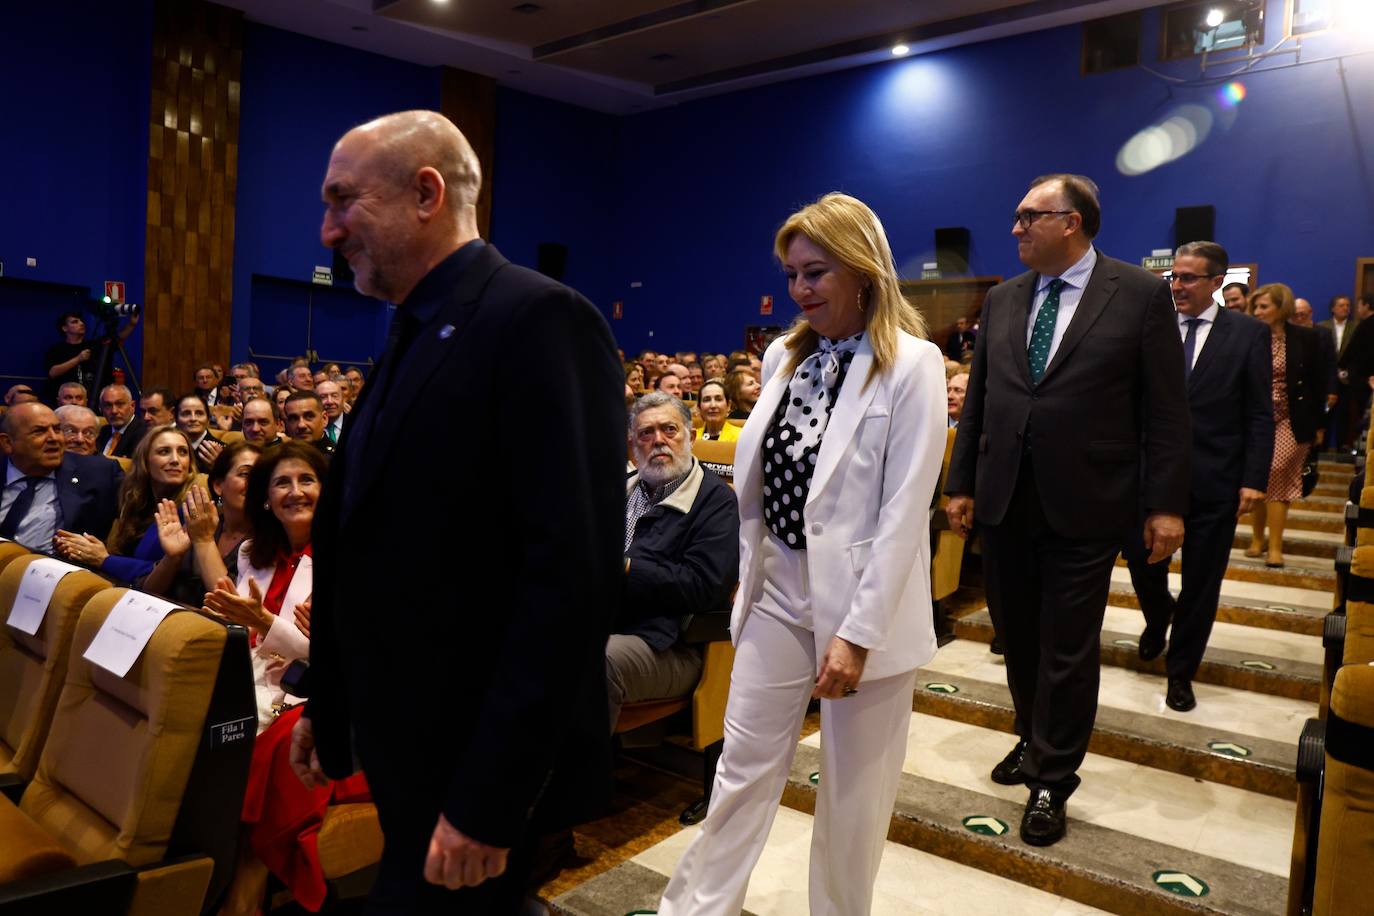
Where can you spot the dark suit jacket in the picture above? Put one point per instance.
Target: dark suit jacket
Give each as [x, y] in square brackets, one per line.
[1346, 337]
[87, 490]
[1230, 399]
[1107, 426]
[1357, 357]
[464, 594]
[133, 433]
[1309, 380]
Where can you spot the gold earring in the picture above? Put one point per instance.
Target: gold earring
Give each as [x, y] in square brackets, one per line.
[859, 300]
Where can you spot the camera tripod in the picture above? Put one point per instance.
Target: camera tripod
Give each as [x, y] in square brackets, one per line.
[109, 340]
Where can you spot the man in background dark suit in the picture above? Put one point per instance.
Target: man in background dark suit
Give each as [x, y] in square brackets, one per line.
[1341, 330]
[1075, 417]
[123, 426]
[460, 619]
[1230, 401]
[45, 488]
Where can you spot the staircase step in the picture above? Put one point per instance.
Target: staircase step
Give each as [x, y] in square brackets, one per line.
[1252, 604]
[1332, 490]
[1244, 669]
[1300, 543]
[1312, 573]
[1309, 520]
[1328, 504]
[1134, 724]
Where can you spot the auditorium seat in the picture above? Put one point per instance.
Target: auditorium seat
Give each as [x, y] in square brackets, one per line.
[716, 456]
[946, 547]
[1345, 845]
[135, 804]
[9, 552]
[34, 668]
[229, 436]
[124, 463]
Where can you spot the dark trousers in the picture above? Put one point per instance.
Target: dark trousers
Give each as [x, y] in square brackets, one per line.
[1047, 593]
[1209, 531]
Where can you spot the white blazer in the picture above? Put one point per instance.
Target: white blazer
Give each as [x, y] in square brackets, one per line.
[284, 642]
[867, 515]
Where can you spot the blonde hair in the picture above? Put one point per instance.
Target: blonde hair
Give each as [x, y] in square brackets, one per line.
[1280, 295]
[850, 232]
[137, 502]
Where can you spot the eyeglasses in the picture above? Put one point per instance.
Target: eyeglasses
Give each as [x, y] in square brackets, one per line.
[1189, 279]
[88, 434]
[1024, 218]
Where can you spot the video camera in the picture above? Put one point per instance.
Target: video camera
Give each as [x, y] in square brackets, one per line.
[109, 311]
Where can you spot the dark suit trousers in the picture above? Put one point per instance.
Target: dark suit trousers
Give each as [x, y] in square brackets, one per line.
[1209, 531]
[1047, 594]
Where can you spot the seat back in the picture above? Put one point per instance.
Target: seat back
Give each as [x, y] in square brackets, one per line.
[1345, 843]
[947, 548]
[10, 551]
[33, 668]
[716, 456]
[1364, 527]
[120, 751]
[1359, 633]
[124, 463]
[230, 436]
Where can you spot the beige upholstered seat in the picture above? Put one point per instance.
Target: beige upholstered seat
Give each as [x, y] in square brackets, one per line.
[10, 551]
[1345, 846]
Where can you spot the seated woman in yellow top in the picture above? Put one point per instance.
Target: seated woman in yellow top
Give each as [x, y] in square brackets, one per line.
[715, 411]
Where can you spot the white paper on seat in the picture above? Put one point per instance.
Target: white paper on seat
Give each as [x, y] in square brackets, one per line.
[35, 593]
[126, 631]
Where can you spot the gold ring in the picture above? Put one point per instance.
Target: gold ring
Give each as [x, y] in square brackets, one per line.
[850, 691]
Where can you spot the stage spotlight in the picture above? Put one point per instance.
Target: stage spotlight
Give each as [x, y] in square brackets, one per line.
[900, 50]
[1215, 18]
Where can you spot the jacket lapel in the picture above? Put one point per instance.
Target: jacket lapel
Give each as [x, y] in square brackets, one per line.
[1099, 291]
[1216, 339]
[1022, 296]
[855, 396]
[68, 492]
[750, 437]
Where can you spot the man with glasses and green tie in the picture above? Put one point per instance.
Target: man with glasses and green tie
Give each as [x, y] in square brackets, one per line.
[1075, 422]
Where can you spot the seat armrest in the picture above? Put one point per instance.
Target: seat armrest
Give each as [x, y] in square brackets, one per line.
[11, 786]
[101, 887]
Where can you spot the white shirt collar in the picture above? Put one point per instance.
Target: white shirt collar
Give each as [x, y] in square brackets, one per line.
[1209, 315]
[1077, 275]
[12, 474]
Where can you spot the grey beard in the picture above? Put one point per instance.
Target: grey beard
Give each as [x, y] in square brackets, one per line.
[657, 477]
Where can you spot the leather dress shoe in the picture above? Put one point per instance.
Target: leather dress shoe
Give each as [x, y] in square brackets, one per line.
[1180, 695]
[1008, 772]
[1043, 824]
[995, 647]
[1151, 644]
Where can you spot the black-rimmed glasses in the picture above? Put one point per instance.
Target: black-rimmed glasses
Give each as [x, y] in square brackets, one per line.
[1024, 218]
[1189, 279]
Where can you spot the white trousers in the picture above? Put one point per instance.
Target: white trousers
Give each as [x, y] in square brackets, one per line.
[863, 743]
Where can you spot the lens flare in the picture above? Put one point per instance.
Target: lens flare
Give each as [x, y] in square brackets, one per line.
[1232, 93]
[1159, 144]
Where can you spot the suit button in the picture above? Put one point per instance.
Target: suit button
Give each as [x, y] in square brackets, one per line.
[817, 528]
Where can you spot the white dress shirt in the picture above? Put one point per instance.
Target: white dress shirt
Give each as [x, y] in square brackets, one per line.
[1075, 280]
[36, 529]
[1209, 317]
[1338, 330]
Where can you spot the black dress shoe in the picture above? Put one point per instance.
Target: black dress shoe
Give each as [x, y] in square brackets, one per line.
[1043, 824]
[995, 647]
[1180, 695]
[1008, 772]
[1151, 644]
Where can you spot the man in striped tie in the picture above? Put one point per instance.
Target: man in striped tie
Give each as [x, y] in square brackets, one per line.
[1075, 421]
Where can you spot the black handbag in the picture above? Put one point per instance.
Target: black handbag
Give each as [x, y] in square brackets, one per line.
[1309, 473]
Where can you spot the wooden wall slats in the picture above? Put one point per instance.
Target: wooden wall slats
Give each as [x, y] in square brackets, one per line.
[192, 182]
[469, 101]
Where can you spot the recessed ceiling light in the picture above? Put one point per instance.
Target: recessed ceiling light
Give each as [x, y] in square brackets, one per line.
[900, 50]
[1215, 18]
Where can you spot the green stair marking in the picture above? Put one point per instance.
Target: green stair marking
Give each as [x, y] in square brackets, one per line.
[938, 687]
[1229, 749]
[985, 824]
[1181, 883]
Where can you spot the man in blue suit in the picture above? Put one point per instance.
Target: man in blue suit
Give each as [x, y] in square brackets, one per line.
[1228, 368]
[46, 488]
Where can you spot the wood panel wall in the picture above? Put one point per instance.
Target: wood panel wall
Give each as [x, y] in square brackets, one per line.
[192, 181]
[469, 101]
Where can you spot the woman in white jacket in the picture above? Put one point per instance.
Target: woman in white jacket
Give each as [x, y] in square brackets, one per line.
[835, 470]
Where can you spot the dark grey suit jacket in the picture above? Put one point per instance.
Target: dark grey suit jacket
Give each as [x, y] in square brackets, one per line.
[1107, 426]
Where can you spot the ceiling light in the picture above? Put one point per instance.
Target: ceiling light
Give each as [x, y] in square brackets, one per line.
[900, 50]
[1215, 18]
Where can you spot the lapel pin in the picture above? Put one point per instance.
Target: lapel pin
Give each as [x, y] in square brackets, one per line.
[75, 480]
[446, 332]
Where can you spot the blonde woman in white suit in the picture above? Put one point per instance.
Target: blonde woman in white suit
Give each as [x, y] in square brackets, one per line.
[835, 470]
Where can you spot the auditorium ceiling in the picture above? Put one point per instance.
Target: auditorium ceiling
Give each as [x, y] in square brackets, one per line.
[623, 56]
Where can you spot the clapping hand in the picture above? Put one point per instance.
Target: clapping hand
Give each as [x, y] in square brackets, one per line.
[202, 518]
[209, 449]
[228, 605]
[170, 534]
[80, 548]
[303, 616]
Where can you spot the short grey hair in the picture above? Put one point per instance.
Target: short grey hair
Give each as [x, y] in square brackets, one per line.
[660, 399]
[74, 412]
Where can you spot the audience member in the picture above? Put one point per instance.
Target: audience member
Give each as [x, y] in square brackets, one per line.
[1056, 454]
[743, 390]
[302, 379]
[334, 406]
[249, 388]
[193, 418]
[669, 383]
[320, 377]
[80, 428]
[305, 420]
[20, 394]
[1236, 297]
[956, 388]
[714, 404]
[1302, 313]
[261, 423]
[634, 378]
[207, 385]
[74, 358]
[241, 371]
[681, 557]
[961, 341]
[71, 393]
[46, 487]
[123, 429]
[1301, 379]
[1341, 327]
[156, 407]
[280, 395]
[952, 369]
[161, 469]
[1227, 366]
[354, 376]
[695, 377]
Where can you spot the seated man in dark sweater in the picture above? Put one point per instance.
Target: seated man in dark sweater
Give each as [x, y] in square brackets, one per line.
[681, 556]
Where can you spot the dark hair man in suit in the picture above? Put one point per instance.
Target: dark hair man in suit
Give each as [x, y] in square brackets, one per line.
[305, 420]
[1236, 297]
[1228, 368]
[1340, 328]
[508, 587]
[46, 488]
[1076, 416]
[123, 426]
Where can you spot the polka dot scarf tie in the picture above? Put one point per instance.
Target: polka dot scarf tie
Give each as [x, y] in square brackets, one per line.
[808, 394]
[1042, 336]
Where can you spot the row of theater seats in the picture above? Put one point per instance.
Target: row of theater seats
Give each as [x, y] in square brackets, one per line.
[711, 633]
[1333, 839]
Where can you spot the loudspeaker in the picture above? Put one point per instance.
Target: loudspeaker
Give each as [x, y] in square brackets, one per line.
[1194, 224]
[553, 259]
[951, 250]
[342, 272]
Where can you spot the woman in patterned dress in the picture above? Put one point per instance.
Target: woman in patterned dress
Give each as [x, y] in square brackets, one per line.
[1301, 386]
[835, 469]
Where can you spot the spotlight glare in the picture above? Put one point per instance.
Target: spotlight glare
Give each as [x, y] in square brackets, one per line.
[900, 50]
[1215, 18]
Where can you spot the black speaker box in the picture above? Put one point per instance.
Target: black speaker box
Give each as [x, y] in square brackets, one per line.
[1195, 224]
[553, 260]
[951, 250]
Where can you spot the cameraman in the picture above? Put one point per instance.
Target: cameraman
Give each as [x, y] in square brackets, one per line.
[70, 360]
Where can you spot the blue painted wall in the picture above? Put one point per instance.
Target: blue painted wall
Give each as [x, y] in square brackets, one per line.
[75, 82]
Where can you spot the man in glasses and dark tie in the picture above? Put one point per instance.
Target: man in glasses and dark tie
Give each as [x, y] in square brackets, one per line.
[1075, 420]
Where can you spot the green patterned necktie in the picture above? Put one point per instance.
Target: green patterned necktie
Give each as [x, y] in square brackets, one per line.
[1043, 334]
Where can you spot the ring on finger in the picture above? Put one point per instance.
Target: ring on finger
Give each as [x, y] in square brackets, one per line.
[850, 691]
